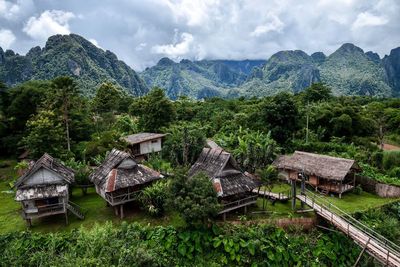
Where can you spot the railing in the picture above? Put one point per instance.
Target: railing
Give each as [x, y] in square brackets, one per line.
[76, 209]
[45, 209]
[122, 198]
[239, 202]
[378, 241]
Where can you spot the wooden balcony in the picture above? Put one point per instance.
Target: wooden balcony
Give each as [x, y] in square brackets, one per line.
[119, 199]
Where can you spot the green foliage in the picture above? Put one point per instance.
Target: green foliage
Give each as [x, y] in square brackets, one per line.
[155, 110]
[45, 134]
[193, 198]
[140, 245]
[184, 142]
[153, 197]
[101, 143]
[126, 125]
[107, 99]
[156, 162]
[317, 92]
[82, 171]
[252, 149]
[280, 116]
[391, 159]
[375, 174]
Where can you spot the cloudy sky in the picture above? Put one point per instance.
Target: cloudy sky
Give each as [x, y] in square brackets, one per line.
[140, 32]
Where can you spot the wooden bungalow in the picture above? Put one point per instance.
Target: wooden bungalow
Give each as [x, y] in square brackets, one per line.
[324, 173]
[119, 178]
[233, 187]
[44, 190]
[142, 144]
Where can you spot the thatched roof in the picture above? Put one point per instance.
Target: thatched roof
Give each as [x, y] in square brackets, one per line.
[119, 170]
[142, 137]
[220, 166]
[48, 162]
[319, 165]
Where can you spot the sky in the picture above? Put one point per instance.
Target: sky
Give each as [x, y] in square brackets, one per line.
[140, 32]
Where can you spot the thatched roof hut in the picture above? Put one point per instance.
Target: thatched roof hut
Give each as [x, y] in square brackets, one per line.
[328, 167]
[224, 172]
[44, 189]
[120, 175]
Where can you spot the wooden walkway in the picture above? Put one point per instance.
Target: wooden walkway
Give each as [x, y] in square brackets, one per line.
[271, 195]
[376, 245]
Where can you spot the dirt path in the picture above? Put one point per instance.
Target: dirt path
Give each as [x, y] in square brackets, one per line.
[390, 147]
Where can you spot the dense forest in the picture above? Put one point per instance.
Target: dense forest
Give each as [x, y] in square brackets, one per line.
[53, 117]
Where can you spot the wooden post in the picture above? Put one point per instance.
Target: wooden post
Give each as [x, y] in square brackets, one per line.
[122, 211]
[293, 194]
[362, 252]
[66, 217]
[116, 210]
[29, 222]
[224, 216]
[245, 209]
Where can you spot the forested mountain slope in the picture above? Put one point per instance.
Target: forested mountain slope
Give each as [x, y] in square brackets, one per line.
[74, 56]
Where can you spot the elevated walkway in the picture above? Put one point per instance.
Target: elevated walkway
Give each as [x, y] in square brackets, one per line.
[382, 249]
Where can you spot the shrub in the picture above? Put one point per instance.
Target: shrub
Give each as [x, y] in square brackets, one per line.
[358, 190]
[153, 198]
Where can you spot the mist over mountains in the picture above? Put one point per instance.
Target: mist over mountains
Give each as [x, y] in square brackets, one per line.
[348, 71]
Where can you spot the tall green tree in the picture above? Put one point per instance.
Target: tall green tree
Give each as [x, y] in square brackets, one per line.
[64, 96]
[45, 134]
[107, 98]
[280, 115]
[155, 110]
[184, 142]
[317, 92]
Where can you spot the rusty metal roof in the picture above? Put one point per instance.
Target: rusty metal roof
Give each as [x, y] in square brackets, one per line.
[142, 137]
[110, 177]
[219, 164]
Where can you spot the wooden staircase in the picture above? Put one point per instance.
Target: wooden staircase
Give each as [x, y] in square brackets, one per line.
[382, 249]
[76, 210]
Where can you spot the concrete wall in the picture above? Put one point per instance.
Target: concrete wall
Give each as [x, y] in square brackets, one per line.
[382, 190]
[43, 176]
[150, 146]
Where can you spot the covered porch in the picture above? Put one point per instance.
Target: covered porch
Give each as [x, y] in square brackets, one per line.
[229, 205]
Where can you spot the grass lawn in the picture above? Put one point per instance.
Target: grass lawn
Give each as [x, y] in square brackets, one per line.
[93, 205]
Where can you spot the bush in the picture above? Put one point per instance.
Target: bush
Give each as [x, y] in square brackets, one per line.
[391, 159]
[358, 190]
[153, 197]
[193, 198]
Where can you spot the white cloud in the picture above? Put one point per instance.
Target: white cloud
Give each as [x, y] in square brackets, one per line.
[50, 22]
[176, 49]
[15, 11]
[140, 47]
[366, 19]
[7, 38]
[275, 24]
[94, 41]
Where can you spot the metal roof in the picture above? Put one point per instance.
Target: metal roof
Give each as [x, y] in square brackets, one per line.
[142, 137]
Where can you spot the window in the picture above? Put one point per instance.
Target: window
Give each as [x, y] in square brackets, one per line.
[154, 141]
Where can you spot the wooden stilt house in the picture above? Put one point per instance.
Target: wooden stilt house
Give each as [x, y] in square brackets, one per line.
[142, 144]
[119, 178]
[326, 174]
[44, 190]
[233, 187]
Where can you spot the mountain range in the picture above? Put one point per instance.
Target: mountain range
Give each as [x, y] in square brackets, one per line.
[347, 71]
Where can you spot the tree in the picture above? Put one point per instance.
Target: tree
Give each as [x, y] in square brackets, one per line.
[155, 110]
[252, 149]
[107, 98]
[268, 176]
[317, 92]
[193, 198]
[184, 142]
[63, 97]
[45, 134]
[280, 116]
